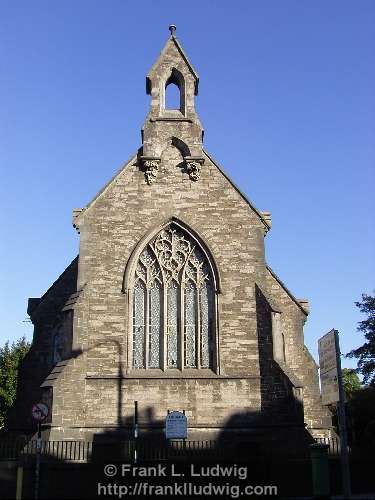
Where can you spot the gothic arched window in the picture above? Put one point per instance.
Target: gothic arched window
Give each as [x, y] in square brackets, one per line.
[173, 304]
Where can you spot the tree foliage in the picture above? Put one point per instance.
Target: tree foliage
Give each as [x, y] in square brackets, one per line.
[11, 357]
[361, 410]
[366, 353]
[351, 382]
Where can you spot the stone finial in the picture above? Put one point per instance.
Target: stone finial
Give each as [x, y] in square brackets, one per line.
[172, 29]
[304, 303]
[266, 218]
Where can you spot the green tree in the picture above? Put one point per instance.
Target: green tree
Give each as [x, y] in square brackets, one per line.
[351, 382]
[366, 353]
[361, 410]
[11, 357]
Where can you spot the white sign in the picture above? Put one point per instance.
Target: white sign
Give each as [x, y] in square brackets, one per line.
[39, 411]
[176, 425]
[330, 387]
[328, 368]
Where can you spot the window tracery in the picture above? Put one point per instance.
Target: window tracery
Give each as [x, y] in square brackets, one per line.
[173, 304]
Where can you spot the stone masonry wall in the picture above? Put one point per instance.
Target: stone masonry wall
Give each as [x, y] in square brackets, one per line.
[45, 313]
[110, 229]
[298, 358]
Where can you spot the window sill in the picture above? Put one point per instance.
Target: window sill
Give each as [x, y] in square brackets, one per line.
[171, 373]
[153, 373]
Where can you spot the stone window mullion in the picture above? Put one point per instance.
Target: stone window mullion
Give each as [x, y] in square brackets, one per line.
[182, 336]
[198, 329]
[164, 340]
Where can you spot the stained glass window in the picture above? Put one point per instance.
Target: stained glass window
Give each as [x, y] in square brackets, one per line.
[172, 325]
[173, 304]
[155, 332]
[138, 325]
[206, 322]
[190, 325]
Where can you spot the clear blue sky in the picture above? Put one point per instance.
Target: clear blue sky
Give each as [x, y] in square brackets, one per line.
[287, 101]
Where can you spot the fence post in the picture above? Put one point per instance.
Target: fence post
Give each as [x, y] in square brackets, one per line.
[320, 470]
[19, 481]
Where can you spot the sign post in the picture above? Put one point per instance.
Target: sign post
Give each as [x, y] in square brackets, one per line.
[39, 412]
[135, 457]
[333, 392]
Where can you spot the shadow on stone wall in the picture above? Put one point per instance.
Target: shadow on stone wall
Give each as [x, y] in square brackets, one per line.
[272, 442]
[68, 478]
[269, 452]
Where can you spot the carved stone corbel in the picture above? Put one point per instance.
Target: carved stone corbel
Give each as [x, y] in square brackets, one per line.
[151, 168]
[194, 167]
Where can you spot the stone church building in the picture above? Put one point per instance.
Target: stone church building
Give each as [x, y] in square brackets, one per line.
[170, 302]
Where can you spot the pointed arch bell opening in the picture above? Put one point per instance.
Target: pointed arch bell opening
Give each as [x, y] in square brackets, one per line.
[172, 96]
[173, 303]
[173, 91]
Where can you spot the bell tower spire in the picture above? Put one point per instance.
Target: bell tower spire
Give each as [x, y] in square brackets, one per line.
[180, 125]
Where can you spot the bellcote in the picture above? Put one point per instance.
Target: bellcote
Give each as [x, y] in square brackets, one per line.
[178, 124]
